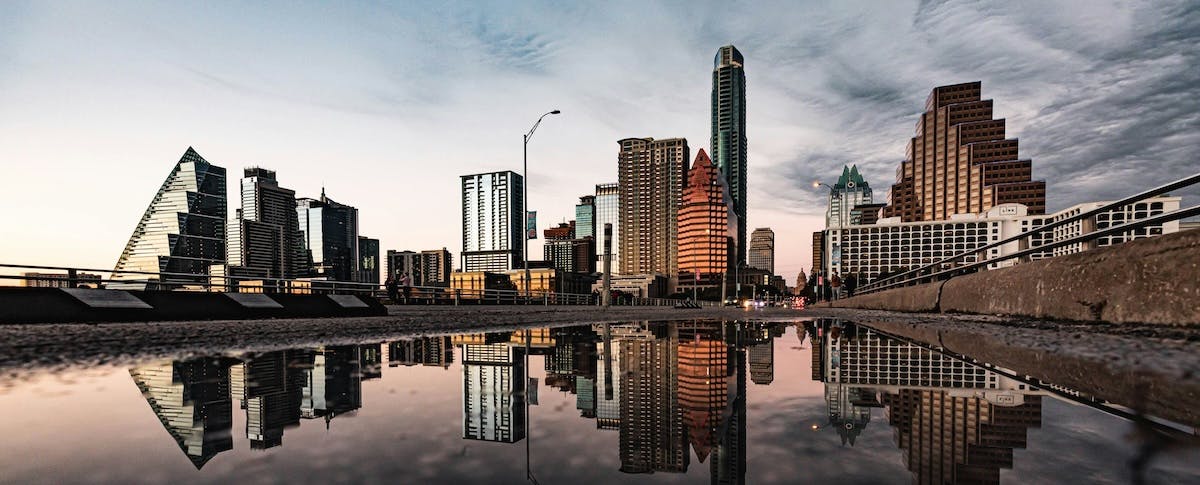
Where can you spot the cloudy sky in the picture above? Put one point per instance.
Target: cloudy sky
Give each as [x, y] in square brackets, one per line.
[386, 106]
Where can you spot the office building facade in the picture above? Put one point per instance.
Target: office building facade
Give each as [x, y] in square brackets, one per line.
[585, 217]
[707, 248]
[60, 280]
[651, 175]
[960, 162]
[493, 219]
[267, 242]
[426, 268]
[762, 249]
[891, 245]
[182, 231]
[330, 238]
[435, 267]
[728, 135]
[850, 191]
[608, 211]
[368, 260]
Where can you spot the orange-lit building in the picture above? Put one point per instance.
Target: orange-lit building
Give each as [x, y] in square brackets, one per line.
[959, 162]
[706, 228]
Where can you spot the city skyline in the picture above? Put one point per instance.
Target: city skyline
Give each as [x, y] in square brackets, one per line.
[807, 106]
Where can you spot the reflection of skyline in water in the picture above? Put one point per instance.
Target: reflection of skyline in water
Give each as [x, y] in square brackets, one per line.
[674, 393]
[955, 422]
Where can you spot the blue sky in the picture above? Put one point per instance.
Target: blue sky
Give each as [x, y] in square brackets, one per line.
[385, 105]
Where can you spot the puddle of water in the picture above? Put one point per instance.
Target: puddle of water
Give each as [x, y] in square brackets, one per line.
[694, 402]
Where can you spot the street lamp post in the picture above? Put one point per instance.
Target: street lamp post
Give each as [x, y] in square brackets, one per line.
[525, 195]
[841, 214]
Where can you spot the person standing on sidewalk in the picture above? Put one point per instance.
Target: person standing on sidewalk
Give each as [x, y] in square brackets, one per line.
[393, 291]
[406, 283]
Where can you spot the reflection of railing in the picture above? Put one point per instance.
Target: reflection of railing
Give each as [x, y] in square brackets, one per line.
[422, 295]
[947, 267]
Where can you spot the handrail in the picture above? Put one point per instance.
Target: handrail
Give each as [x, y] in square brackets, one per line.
[417, 294]
[903, 279]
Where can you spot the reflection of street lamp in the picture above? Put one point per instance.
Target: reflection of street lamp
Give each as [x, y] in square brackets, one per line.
[525, 193]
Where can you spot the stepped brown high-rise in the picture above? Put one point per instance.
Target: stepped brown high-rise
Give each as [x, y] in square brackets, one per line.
[959, 162]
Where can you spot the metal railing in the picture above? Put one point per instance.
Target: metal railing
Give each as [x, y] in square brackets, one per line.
[945, 269]
[417, 295]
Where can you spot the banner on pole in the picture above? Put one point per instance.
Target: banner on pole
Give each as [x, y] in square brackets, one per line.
[531, 225]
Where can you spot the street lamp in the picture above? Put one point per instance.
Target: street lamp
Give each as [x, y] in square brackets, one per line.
[841, 213]
[525, 193]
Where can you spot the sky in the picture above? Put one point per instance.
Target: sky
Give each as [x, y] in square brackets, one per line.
[386, 105]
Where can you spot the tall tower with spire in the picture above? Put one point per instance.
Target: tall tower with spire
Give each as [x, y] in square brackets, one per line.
[850, 191]
[728, 142]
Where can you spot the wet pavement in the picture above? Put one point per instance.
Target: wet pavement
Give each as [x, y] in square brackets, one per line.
[701, 401]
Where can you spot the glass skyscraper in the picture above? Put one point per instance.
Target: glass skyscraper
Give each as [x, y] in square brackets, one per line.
[182, 231]
[850, 191]
[728, 142]
[493, 219]
[585, 217]
[608, 211]
[330, 237]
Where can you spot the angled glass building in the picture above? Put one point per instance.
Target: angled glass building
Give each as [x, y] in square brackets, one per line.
[182, 231]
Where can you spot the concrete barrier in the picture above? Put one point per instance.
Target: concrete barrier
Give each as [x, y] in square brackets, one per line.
[919, 298]
[1154, 280]
[53, 305]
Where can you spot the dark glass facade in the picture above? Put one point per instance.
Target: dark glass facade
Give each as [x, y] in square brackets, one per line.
[330, 238]
[728, 142]
[182, 231]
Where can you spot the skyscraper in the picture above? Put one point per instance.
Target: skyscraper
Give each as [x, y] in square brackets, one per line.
[608, 211]
[728, 141]
[651, 174]
[959, 162]
[706, 247]
[762, 249]
[585, 217]
[268, 242]
[330, 237]
[183, 229]
[368, 260]
[566, 251]
[493, 221]
[435, 267]
[850, 191]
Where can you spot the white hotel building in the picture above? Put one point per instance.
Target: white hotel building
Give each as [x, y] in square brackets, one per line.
[891, 245]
